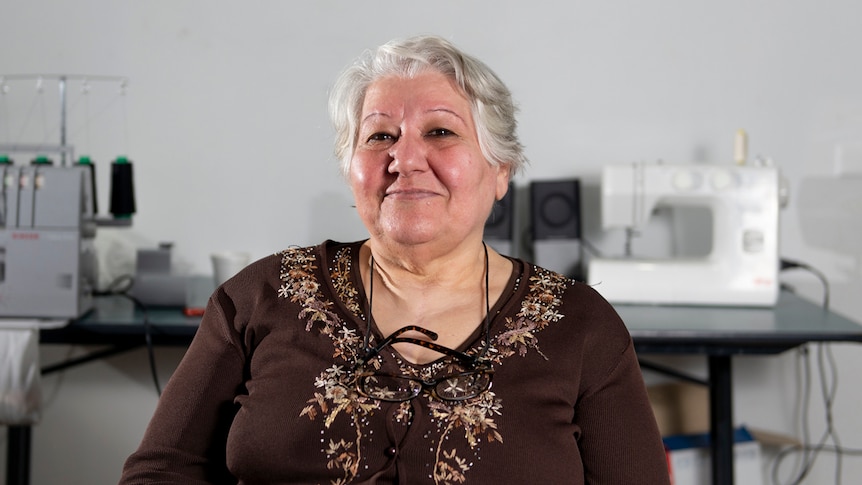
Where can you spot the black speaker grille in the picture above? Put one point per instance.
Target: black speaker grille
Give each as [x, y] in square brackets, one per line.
[500, 224]
[555, 209]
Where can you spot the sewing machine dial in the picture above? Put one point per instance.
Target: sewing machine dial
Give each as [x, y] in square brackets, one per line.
[686, 180]
[722, 180]
[689, 180]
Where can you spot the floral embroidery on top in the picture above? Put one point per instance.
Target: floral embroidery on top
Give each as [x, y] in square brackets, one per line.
[337, 395]
[300, 285]
[538, 310]
[346, 291]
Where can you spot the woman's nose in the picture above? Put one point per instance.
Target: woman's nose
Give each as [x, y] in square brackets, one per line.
[408, 155]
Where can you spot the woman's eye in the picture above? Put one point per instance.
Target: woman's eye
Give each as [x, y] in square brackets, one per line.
[380, 137]
[441, 132]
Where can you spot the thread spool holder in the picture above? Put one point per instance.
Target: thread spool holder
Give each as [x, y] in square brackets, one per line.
[63, 148]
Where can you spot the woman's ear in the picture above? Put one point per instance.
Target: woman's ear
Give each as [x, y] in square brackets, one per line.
[503, 176]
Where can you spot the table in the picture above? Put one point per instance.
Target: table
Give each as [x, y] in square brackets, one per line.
[117, 323]
[717, 332]
[721, 332]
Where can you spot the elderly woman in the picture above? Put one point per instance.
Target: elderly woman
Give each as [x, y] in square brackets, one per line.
[419, 355]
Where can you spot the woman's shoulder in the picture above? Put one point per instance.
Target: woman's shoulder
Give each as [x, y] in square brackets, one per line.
[568, 287]
[298, 254]
[579, 301]
[292, 274]
[319, 260]
[274, 266]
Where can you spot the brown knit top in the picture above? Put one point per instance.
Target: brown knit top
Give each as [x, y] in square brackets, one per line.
[266, 392]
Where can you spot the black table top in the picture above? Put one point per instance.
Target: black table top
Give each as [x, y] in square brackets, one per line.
[791, 322]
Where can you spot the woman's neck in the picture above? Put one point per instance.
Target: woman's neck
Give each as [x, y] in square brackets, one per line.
[416, 270]
[449, 297]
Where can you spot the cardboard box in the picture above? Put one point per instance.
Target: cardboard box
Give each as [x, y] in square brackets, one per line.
[682, 413]
[680, 407]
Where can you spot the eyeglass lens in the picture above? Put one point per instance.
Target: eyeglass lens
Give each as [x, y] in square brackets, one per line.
[401, 388]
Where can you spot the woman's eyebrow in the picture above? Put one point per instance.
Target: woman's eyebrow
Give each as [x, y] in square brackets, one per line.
[449, 111]
[381, 114]
[374, 115]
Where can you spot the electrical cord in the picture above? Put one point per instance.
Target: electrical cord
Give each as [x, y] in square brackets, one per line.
[120, 286]
[828, 388]
[828, 373]
[148, 339]
[788, 264]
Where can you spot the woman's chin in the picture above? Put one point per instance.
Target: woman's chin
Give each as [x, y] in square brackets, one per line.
[409, 238]
[411, 233]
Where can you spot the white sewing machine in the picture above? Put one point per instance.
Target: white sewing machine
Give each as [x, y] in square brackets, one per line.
[742, 266]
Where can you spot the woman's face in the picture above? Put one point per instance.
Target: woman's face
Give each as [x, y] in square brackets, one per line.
[417, 174]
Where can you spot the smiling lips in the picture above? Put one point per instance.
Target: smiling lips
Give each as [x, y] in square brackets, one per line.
[409, 193]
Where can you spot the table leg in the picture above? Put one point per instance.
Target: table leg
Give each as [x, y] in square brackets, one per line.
[721, 419]
[18, 455]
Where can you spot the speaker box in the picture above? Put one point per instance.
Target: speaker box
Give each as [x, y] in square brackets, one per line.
[555, 217]
[500, 226]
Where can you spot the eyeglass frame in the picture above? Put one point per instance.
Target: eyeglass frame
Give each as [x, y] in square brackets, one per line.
[477, 365]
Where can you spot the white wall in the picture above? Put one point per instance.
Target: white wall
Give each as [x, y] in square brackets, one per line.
[225, 120]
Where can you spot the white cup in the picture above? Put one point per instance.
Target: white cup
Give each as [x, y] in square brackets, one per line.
[228, 263]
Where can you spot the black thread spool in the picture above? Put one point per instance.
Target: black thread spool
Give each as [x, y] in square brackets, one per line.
[86, 162]
[5, 161]
[122, 189]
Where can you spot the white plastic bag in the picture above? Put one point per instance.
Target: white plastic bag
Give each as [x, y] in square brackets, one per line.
[20, 376]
